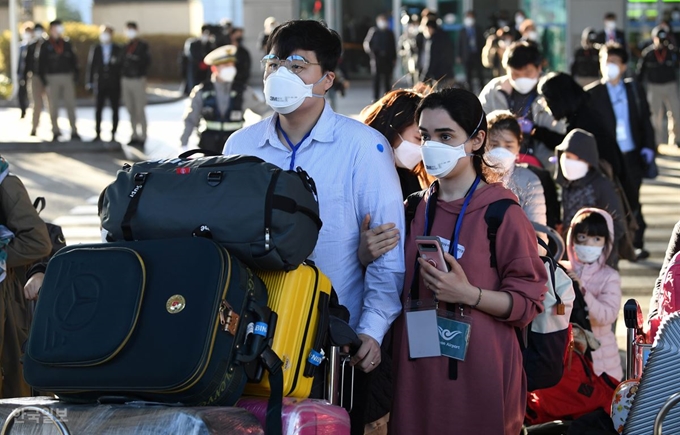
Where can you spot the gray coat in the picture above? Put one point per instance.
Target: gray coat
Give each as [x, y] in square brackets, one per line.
[529, 190]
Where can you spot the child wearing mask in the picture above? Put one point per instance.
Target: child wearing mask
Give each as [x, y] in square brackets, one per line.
[589, 242]
[584, 184]
[505, 136]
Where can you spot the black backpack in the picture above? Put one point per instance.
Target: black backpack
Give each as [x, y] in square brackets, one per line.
[543, 353]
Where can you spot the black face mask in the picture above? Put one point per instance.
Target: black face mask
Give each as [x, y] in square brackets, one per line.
[239, 40]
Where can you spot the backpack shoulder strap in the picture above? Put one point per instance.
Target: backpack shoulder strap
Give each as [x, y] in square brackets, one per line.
[494, 218]
[412, 202]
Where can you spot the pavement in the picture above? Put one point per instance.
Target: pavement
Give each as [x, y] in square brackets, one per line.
[71, 175]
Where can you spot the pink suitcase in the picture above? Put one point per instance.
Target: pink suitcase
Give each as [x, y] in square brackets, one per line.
[303, 416]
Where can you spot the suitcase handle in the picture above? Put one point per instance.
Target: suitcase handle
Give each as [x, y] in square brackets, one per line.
[40, 410]
[207, 153]
[256, 344]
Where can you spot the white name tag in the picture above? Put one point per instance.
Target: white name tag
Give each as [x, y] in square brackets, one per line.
[446, 245]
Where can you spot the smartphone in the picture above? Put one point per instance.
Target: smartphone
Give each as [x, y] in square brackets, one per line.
[430, 250]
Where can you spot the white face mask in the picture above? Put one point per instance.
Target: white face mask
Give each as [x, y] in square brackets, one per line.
[532, 35]
[382, 25]
[588, 254]
[104, 233]
[610, 25]
[524, 85]
[27, 36]
[285, 92]
[205, 38]
[502, 157]
[573, 169]
[407, 155]
[227, 73]
[469, 22]
[105, 38]
[131, 33]
[59, 30]
[613, 71]
[440, 159]
[519, 19]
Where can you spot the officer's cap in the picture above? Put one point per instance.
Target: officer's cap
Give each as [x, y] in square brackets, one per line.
[659, 32]
[220, 55]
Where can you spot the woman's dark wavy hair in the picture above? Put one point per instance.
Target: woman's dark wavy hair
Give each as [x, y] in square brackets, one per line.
[504, 120]
[308, 35]
[395, 112]
[562, 94]
[464, 108]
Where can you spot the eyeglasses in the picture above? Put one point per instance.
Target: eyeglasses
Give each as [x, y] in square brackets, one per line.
[294, 63]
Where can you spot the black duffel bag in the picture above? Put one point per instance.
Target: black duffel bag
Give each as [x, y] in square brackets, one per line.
[267, 217]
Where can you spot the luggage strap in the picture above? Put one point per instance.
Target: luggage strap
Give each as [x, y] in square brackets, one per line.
[134, 195]
[273, 364]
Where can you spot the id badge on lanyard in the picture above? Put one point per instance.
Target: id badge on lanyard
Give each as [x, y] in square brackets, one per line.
[454, 328]
[432, 331]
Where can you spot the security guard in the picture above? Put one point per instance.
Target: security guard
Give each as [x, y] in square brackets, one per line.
[657, 68]
[217, 104]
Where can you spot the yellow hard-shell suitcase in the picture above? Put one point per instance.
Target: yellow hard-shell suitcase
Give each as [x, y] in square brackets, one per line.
[300, 299]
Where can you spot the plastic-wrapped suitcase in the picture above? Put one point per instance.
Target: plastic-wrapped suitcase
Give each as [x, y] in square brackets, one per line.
[300, 298]
[46, 416]
[159, 320]
[303, 416]
[658, 384]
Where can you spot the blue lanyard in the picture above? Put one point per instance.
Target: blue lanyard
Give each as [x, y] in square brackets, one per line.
[294, 148]
[453, 248]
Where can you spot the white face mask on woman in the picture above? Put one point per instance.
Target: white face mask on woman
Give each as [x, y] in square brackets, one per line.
[407, 155]
[573, 169]
[588, 254]
[285, 92]
[440, 159]
[503, 157]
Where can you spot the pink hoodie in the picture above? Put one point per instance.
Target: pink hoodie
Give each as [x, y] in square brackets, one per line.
[602, 286]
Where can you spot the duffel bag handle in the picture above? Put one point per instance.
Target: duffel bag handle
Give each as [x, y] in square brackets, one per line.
[207, 153]
[46, 412]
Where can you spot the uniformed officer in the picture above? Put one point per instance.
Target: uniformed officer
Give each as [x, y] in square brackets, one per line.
[217, 105]
[58, 69]
[104, 76]
[657, 68]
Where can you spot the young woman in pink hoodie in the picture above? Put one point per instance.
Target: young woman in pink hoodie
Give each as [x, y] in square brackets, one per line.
[589, 242]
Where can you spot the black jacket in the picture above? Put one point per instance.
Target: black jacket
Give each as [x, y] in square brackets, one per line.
[441, 56]
[31, 57]
[658, 66]
[380, 45]
[465, 53]
[136, 59]
[57, 57]
[101, 74]
[619, 37]
[638, 111]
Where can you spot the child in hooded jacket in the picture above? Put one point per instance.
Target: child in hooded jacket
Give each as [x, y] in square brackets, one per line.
[589, 241]
[585, 185]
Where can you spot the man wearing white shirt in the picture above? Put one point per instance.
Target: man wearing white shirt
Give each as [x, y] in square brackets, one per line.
[351, 164]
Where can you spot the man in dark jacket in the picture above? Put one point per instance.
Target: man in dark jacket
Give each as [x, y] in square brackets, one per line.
[435, 53]
[380, 45]
[470, 44]
[195, 49]
[658, 69]
[35, 85]
[136, 61]
[103, 77]
[610, 33]
[623, 109]
[26, 39]
[58, 70]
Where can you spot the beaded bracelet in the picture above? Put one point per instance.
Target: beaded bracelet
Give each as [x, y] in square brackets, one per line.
[479, 299]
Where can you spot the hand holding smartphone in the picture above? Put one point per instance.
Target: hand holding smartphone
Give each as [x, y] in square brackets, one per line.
[430, 250]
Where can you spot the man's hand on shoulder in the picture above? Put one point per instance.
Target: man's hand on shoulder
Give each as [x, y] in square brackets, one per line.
[367, 357]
